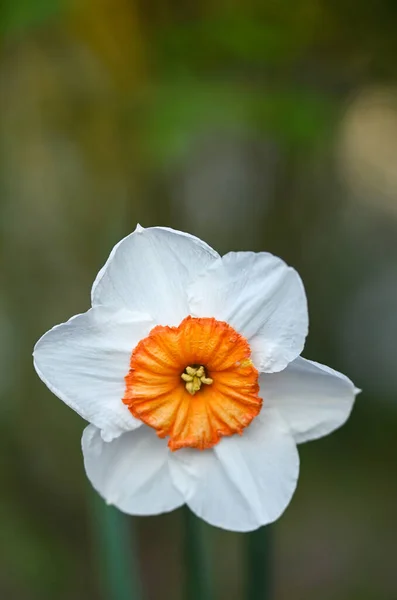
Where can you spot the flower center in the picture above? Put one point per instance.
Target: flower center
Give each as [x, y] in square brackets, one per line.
[194, 378]
[194, 383]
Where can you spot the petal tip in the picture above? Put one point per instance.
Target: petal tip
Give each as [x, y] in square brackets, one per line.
[107, 436]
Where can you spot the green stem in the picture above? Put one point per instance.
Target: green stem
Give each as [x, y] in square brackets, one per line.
[198, 575]
[259, 567]
[117, 559]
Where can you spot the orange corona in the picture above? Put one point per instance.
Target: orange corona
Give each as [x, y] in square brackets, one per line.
[194, 383]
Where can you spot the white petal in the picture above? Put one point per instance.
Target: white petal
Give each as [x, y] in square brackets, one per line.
[85, 360]
[149, 270]
[132, 471]
[262, 298]
[243, 482]
[312, 398]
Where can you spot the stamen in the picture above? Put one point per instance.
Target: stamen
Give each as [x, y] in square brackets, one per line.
[186, 377]
[195, 377]
[191, 370]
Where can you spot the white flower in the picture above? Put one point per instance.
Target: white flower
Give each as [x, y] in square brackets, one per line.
[187, 368]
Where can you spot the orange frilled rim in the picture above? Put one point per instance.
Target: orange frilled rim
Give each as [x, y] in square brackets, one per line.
[157, 394]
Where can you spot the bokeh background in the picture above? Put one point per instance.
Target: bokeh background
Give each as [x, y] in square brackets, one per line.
[254, 125]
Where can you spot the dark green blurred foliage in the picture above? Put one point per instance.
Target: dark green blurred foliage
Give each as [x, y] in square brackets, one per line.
[256, 126]
[17, 17]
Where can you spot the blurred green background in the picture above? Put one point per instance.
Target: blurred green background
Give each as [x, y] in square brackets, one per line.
[254, 125]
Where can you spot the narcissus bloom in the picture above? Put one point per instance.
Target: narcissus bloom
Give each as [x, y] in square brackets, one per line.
[188, 369]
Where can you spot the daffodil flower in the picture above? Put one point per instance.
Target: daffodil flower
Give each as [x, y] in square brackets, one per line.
[188, 369]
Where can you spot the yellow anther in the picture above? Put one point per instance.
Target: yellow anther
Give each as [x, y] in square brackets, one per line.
[189, 387]
[194, 378]
[191, 370]
[200, 372]
[196, 384]
[186, 377]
